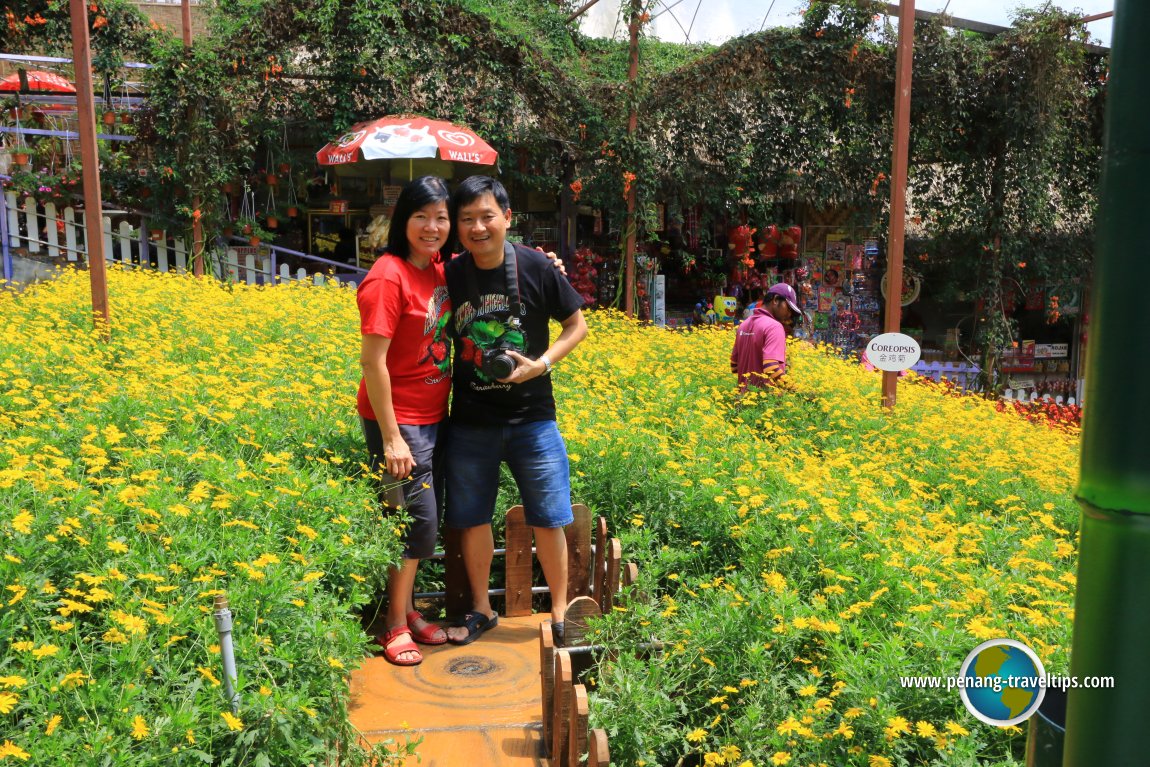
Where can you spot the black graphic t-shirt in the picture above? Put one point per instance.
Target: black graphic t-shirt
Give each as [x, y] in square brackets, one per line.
[546, 294]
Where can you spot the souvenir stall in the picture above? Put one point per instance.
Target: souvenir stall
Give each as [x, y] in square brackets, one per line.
[1045, 363]
[840, 283]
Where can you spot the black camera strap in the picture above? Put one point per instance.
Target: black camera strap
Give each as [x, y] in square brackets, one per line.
[511, 278]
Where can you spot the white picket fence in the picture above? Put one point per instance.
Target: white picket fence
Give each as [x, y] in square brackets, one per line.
[63, 233]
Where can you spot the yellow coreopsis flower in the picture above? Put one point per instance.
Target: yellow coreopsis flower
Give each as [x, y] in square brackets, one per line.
[896, 727]
[22, 522]
[140, 728]
[233, 721]
[10, 749]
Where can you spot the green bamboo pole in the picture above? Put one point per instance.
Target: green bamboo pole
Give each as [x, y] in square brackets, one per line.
[1112, 611]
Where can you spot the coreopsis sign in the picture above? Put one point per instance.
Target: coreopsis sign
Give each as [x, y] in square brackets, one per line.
[893, 352]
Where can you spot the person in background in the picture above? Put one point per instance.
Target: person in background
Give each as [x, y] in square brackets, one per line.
[759, 355]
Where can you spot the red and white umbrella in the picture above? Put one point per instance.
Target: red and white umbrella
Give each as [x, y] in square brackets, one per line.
[44, 82]
[407, 138]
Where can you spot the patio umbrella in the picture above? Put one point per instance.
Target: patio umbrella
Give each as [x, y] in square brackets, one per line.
[407, 138]
[43, 82]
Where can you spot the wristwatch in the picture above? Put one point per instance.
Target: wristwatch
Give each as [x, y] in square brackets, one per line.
[546, 364]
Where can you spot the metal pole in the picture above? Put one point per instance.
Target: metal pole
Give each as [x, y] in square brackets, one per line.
[4, 250]
[898, 164]
[197, 227]
[90, 162]
[223, 618]
[632, 125]
[1112, 604]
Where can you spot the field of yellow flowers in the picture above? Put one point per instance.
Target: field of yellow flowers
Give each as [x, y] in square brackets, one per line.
[211, 446]
[798, 553]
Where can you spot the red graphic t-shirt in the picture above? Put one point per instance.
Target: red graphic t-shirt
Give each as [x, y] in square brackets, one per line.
[410, 306]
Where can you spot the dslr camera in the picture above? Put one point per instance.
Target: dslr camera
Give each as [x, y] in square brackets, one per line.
[497, 362]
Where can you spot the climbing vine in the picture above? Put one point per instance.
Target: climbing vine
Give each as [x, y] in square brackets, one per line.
[1005, 129]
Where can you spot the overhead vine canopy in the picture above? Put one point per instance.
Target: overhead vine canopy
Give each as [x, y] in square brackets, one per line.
[1005, 130]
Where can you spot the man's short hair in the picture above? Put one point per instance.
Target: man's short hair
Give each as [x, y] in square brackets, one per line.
[475, 187]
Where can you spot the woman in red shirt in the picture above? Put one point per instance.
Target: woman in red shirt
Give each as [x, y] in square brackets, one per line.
[405, 356]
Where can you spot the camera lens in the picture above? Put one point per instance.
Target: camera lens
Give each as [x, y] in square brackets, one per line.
[501, 366]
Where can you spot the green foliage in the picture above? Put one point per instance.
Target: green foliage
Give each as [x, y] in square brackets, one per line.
[116, 29]
[147, 474]
[799, 552]
[198, 126]
[1005, 130]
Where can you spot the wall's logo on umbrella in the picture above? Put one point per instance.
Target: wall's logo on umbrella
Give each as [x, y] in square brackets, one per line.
[456, 137]
[348, 139]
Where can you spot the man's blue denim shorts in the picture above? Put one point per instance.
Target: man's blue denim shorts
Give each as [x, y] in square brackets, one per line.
[537, 457]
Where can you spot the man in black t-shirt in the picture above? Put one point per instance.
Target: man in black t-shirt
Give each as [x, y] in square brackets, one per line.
[501, 414]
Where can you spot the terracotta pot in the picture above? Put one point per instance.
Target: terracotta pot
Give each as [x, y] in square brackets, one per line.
[247, 229]
[292, 211]
[272, 222]
[253, 241]
[21, 158]
[155, 234]
[16, 113]
[228, 231]
[126, 118]
[109, 118]
[273, 179]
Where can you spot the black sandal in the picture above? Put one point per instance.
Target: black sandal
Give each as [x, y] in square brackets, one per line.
[476, 624]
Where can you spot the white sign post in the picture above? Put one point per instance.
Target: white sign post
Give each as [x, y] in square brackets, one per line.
[893, 352]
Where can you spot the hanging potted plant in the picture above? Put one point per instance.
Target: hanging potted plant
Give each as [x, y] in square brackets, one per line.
[251, 229]
[21, 156]
[109, 118]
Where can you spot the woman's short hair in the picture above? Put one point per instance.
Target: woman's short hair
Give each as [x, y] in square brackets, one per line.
[424, 190]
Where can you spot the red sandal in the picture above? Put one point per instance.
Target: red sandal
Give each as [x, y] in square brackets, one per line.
[426, 635]
[393, 651]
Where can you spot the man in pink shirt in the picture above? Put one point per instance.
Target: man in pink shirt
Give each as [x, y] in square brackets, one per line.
[759, 357]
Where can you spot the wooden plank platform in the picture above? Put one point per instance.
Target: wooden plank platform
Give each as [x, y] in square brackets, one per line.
[477, 704]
